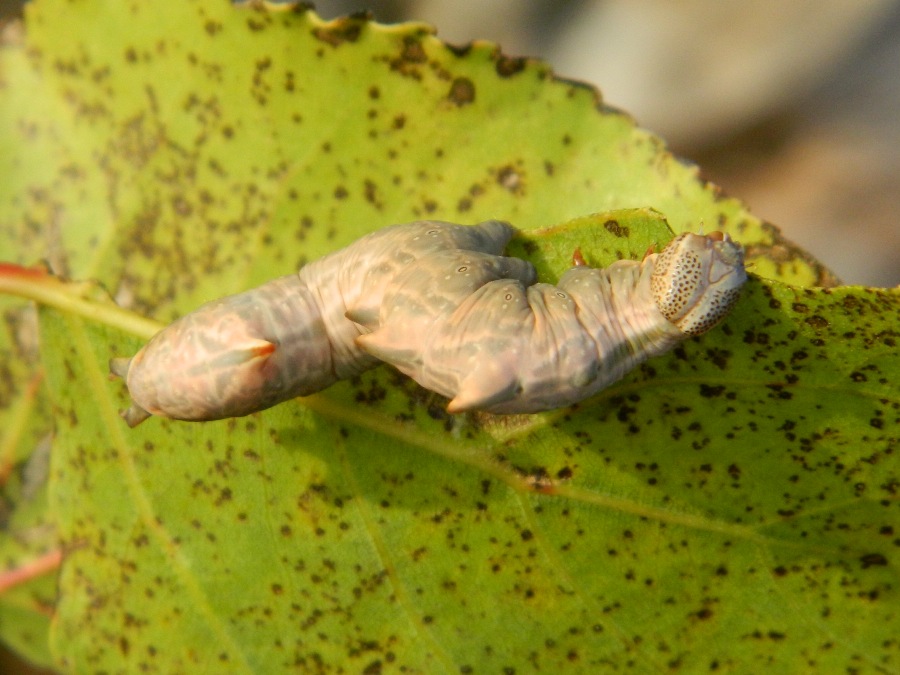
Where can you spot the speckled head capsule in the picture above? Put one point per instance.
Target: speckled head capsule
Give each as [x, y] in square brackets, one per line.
[696, 280]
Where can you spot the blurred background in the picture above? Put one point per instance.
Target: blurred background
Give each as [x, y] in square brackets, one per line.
[794, 107]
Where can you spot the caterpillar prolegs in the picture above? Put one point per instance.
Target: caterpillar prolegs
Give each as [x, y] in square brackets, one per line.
[440, 303]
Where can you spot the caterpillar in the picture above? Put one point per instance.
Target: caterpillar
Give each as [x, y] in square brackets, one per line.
[438, 302]
[503, 344]
[291, 336]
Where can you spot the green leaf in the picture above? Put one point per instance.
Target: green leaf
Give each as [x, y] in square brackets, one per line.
[730, 506]
[27, 531]
[27, 552]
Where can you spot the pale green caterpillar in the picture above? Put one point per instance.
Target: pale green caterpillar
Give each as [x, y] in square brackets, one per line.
[501, 344]
[289, 337]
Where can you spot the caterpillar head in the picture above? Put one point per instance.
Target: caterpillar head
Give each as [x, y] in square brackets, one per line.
[696, 279]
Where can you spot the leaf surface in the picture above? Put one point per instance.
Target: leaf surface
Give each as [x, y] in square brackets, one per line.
[730, 506]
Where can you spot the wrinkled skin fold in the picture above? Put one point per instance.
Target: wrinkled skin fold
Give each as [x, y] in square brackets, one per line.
[287, 338]
[506, 345]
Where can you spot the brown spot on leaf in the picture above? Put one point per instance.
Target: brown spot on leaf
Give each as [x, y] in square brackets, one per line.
[508, 66]
[873, 560]
[510, 179]
[462, 91]
[614, 228]
[344, 29]
[413, 51]
[711, 391]
[817, 322]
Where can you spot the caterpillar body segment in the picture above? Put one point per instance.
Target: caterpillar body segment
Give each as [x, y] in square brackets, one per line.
[289, 337]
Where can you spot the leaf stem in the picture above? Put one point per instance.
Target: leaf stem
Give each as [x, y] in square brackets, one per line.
[30, 570]
[43, 288]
